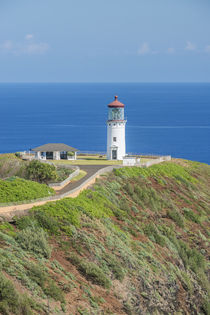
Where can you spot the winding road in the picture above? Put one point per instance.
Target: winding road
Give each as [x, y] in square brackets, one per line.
[69, 190]
[89, 169]
[72, 189]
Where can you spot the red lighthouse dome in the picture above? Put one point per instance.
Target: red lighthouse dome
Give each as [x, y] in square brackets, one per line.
[116, 103]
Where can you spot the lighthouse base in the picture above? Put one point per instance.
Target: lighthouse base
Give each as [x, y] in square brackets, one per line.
[116, 140]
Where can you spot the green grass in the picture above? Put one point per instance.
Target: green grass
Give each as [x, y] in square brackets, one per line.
[166, 169]
[17, 189]
[79, 176]
[63, 173]
[87, 162]
[93, 160]
[91, 271]
[11, 302]
[129, 234]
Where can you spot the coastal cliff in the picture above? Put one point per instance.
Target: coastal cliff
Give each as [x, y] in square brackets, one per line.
[136, 242]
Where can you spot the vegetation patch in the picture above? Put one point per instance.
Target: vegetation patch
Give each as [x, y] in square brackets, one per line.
[144, 237]
[34, 239]
[17, 189]
[166, 169]
[41, 172]
[11, 301]
[91, 271]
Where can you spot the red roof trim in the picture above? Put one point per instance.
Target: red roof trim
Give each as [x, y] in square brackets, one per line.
[116, 103]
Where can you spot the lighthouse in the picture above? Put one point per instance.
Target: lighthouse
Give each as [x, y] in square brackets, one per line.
[116, 131]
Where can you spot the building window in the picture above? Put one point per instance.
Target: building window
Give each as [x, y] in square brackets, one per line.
[114, 139]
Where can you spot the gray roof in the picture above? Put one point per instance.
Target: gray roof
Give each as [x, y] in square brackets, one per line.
[50, 147]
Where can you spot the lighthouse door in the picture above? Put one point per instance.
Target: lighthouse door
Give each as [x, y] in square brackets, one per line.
[114, 154]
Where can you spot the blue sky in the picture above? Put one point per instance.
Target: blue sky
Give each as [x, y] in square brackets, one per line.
[105, 41]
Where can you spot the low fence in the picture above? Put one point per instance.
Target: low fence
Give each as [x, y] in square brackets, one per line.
[104, 170]
[156, 161]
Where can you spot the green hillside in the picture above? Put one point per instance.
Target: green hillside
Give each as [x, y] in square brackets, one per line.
[136, 242]
[16, 189]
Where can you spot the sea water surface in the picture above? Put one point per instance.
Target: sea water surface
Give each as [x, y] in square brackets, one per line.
[161, 118]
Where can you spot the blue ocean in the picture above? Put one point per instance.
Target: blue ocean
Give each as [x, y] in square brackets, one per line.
[161, 118]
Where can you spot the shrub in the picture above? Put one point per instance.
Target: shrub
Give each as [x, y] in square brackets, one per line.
[10, 301]
[191, 257]
[24, 222]
[166, 169]
[47, 222]
[41, 172]
[124, 205]
[63, 212]
[190, 215]
[34, 239]
[129, 188]
[152, 232]
[114, 266]
[52, 290]
[63, 173]
[91, 271]
[49, 287]
[176, 217]
[17, 189]
[18, 154]
[206, 306]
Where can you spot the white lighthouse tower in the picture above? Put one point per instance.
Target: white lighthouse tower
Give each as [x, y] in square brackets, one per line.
[116, 131]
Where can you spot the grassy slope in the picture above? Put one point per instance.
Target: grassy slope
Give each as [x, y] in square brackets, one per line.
[136, 243]
[10, 165]
[17, 189]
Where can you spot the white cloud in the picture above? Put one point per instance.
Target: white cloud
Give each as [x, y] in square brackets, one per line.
[29, 47]
[207, 49]
[36, 48]
[7, 45]
[29, 36]
[144, 49]
[190, 46]
[170, 50]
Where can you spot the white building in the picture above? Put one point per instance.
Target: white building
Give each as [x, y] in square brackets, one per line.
[55, 151]
[130, 160]
[116, 131]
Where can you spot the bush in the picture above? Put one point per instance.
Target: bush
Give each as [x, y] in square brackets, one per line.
[91, 271]
[191, 258]
[176, 217]
[17, 189]
[41, 172]
[114, 266]
[47, 222]
[10, 301]
[49, 287]
[152, 232]
[34, 239]
[24, 222]
[190, 215]
[129, 188]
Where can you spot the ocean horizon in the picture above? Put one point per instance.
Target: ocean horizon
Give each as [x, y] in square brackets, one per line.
[162, 118]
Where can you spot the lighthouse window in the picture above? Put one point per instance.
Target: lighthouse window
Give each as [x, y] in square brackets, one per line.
[114, 139]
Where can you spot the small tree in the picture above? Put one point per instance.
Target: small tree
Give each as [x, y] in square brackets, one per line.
[70, 153]
[41, 172]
